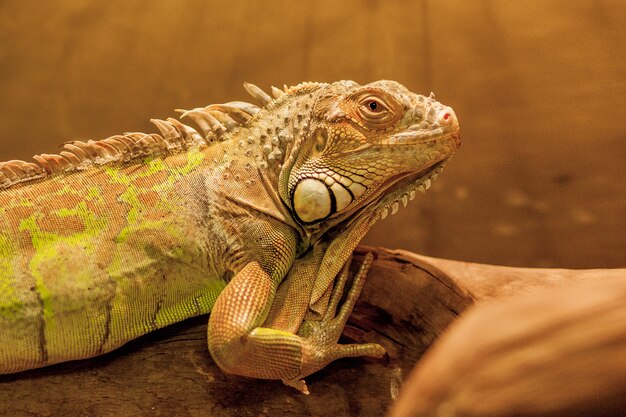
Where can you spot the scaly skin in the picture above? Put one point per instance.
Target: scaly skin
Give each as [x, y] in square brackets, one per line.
[252, 220]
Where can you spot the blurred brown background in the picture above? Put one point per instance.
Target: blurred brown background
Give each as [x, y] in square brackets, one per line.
[539, 87]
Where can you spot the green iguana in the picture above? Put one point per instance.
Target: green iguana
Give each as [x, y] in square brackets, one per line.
[252, 217]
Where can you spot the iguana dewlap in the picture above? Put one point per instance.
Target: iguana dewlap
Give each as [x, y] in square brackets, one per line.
[252, 216]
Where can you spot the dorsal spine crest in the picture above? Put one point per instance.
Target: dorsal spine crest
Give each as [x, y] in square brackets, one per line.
[214, 121]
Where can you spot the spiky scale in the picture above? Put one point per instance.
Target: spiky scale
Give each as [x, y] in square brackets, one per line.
[277, 93]
[257, 93]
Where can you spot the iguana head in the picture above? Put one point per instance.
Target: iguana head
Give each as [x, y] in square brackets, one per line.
[366, 146]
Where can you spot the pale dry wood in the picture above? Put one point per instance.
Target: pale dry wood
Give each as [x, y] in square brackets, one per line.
[483, 281]
[407, 303]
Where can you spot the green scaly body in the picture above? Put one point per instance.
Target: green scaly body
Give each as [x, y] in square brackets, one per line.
[116, 238]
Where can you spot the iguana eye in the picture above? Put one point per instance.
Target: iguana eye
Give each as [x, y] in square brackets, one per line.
[373, 107]
[374, 110]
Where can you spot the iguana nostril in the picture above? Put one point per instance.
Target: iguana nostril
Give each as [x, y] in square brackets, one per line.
[446, 117]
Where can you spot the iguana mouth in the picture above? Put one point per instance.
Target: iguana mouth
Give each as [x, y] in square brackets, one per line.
[443, 122]
[412, 137]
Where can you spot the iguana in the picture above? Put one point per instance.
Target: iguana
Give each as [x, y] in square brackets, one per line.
[253, 216]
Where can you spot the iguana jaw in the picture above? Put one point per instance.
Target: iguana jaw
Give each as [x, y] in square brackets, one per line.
[405, 189]
[429, 152]
[398, 191]
[402, 188]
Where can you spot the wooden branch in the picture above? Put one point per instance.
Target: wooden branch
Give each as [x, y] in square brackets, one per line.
[553, 345]
[560, 352]
[407, 303]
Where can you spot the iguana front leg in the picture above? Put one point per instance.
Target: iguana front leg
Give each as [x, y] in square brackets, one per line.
[238, 343]
[323, 328]
[241, 346]
[321, 336]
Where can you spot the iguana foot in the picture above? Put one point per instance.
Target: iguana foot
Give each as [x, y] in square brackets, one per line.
[320, 345]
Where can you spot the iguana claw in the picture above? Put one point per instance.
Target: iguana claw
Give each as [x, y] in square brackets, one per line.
[298, 384]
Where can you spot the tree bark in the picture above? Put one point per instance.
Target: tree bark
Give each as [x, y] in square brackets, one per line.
[407, 303]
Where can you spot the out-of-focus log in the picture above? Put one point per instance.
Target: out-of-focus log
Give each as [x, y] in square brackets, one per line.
[556, 352]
